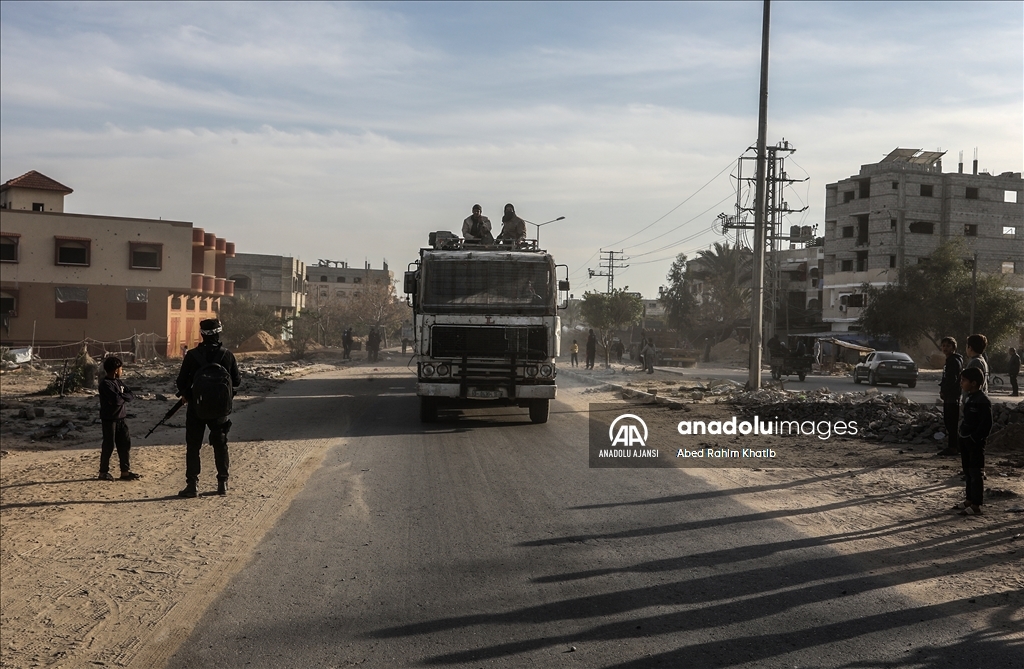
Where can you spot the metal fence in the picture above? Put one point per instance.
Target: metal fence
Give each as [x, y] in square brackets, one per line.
[130, 349]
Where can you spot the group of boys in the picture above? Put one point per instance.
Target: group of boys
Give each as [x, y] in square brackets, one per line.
[206, 382]
[963, 390]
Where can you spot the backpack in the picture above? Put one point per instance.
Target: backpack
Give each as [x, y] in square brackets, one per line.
[212, 389]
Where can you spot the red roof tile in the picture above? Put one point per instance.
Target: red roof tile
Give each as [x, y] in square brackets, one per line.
[36, 181]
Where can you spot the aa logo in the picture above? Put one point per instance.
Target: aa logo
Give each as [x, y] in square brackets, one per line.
[628, 433]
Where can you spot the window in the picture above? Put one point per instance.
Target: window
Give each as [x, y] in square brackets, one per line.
[892, 223]
[1009, 196]
[323, 292]
[847, 266]
[855, 300]
[175, 303]
[204, 305]
[862, 261]
[865, 188]
[892, 261]
[895, 185]
[922, 227]
[9, 248]
[848, 196]
[862, 229]
[971, 194]
[1009, 267]
[71, 302]
[38, 206]
[71, 251]
[357, 280]
[341, 279]
[848, 232]
[190, 304]
[323, 279]
[971, 230]
[242, 282]
[136, 300]
[1009, 231]
[146, 256]
[9, 302]
[927, 190]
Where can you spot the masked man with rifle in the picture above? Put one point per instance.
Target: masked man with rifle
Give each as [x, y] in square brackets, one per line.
[206, 382]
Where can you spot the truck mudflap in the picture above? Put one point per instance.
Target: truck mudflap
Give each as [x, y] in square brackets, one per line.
[489, 393]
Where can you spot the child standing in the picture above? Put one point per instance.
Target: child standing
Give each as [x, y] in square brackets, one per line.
[974, 430]
[575, 361]
[113, 395]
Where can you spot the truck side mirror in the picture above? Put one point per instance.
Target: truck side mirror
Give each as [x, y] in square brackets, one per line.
[563, 286]
[410, 283]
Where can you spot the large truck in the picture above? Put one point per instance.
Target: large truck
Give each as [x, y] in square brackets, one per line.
[486, 324]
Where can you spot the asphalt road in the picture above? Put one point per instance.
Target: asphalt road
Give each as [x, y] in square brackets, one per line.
[487, 541]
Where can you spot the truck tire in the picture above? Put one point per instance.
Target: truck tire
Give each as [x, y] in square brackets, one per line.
[428, 409]
[802, 375]
[539, 410]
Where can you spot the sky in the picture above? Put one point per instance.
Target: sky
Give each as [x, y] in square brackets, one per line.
[350, 131]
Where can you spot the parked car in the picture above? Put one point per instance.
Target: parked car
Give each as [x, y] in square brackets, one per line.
[886, 367]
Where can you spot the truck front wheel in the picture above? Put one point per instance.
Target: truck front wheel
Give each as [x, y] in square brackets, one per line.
[539, 410]
[428, 409]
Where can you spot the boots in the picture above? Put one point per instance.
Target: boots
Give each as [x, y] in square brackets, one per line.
[222, 486]
[189, 490]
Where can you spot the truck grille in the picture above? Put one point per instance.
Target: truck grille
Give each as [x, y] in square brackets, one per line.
[529, 343]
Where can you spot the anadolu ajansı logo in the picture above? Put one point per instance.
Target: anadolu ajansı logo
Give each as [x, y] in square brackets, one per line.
[628, 433]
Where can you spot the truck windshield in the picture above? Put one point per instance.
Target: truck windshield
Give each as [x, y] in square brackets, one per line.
[488, 286]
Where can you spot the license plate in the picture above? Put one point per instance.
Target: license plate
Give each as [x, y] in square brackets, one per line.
[899, 367]
[484, 394]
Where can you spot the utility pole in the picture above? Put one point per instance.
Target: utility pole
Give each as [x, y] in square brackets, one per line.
[609, 264]
[974, 290]
[757, 296]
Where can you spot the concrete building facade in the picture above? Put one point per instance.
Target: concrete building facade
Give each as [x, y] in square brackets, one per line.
[896, 212]
[68, 277]
[275, 281]
[334, 281]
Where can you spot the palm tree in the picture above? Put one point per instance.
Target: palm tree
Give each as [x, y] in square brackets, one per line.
[726, 272]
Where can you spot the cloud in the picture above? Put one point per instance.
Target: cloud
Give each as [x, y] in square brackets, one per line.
[353, 130]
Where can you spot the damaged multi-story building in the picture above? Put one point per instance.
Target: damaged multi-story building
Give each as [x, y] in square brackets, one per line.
[896, 212]
[278, 282]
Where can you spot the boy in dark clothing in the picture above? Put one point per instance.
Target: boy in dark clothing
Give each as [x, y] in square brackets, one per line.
[209, 351]
[949, 392]
[974, 431]
[113, 395]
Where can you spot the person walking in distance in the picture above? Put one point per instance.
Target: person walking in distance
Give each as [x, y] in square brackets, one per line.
[113, 395]
[575, 359]
[1014, 372]
[207, 382]
[949, 393]
[591, 349]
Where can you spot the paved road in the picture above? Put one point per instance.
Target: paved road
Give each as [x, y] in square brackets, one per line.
[486, 541]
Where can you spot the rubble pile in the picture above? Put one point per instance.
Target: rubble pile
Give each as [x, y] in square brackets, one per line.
[262, 341]
[889, 418]
[730, 352]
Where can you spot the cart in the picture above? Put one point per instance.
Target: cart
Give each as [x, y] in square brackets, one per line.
[785, 364]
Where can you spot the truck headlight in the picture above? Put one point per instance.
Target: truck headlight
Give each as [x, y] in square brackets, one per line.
[531, 371]
[546, 370]
[428, 369]
[442, 370]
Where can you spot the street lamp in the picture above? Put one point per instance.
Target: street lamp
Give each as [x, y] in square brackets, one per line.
[538, 225]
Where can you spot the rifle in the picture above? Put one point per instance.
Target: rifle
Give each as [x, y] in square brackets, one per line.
[167, 416]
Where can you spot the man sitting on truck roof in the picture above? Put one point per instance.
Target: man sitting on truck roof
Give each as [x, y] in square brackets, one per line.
[477, 227]
[513, 228]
